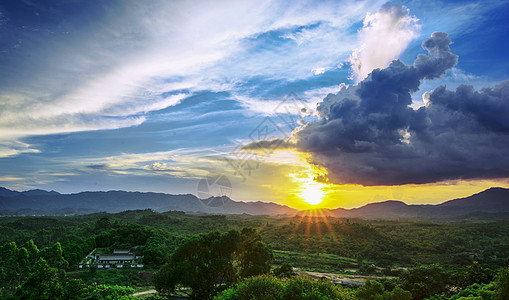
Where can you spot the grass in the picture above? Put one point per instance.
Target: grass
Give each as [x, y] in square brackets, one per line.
[322, 262]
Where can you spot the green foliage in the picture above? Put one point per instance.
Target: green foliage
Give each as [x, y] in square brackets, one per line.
[33, 251]
[474, 291]
[270, 287]
[16, 263]
[367, 268]
[284, 271]
[370, 291]
[502, 285]
[309, 244]
[74, 251]
[425, 281]
[159, 247]
[391, 242]
[124, 237]
[476, 273]
[373, 290]
[397, 294]
[314, 262]
[261, 287]
[53, 255]
[205, 262]
[253, 256]
[305, 288]
[112, 277]
[45, 282]
[107, 292]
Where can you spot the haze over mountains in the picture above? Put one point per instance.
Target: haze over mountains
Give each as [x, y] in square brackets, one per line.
[493, 202]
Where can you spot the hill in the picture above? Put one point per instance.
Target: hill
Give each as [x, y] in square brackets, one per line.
[39, 202]
[490, 201]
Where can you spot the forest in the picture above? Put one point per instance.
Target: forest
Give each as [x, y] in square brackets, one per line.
[253, 257]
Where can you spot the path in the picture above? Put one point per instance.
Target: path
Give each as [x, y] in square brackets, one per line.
[144, 293]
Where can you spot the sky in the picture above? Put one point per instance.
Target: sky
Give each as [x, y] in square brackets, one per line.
[333, 103]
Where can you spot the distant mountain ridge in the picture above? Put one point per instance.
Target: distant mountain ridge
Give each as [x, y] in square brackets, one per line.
[38, 201]
[491, 201]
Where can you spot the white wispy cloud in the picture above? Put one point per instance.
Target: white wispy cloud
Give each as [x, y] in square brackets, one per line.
[14, 147]
[124, 65]
[11, 178]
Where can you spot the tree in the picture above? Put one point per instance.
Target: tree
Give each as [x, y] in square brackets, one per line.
[425, 281]
[10, 273]
[269, 287]
[397, 294]
[253, 255]
[502, 285]
[205, 263]
[43, 283]
[33, 251]
[261, 287]
[53, 255]
[158, 248]
[284, 271]
[476, 274]
[372, 290]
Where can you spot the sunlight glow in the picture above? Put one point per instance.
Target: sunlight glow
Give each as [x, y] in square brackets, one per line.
[306, 189]
[312, 192]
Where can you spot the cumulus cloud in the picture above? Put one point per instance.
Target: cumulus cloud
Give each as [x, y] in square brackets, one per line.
[368, 134]
[384, 36]
[439, 60]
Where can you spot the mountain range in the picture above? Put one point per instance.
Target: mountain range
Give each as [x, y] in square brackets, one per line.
[491, 203]
[40, 202]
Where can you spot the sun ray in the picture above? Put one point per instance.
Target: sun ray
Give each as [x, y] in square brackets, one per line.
[325, 220]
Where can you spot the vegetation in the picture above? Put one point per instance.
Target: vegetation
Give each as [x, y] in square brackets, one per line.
[270, 287]
[233, 257]
[205, 263]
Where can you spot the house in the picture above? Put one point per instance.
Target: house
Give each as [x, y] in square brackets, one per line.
[120, 258]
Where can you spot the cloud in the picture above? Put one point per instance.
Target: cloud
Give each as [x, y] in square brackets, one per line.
[10, 178]
[439, 60]
[92, 68]
[318, 70]
[384, 36]
[268, 145]
[13, 148]
[369, 135]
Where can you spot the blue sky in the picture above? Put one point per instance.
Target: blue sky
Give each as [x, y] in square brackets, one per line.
[154, 95]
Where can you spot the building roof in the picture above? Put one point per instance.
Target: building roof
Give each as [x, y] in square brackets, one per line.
[115, 257]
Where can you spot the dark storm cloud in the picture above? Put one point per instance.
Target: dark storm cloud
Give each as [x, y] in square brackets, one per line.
[440, 59]
[369, 135]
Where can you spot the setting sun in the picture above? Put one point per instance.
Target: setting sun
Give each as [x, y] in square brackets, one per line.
[312, 192]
